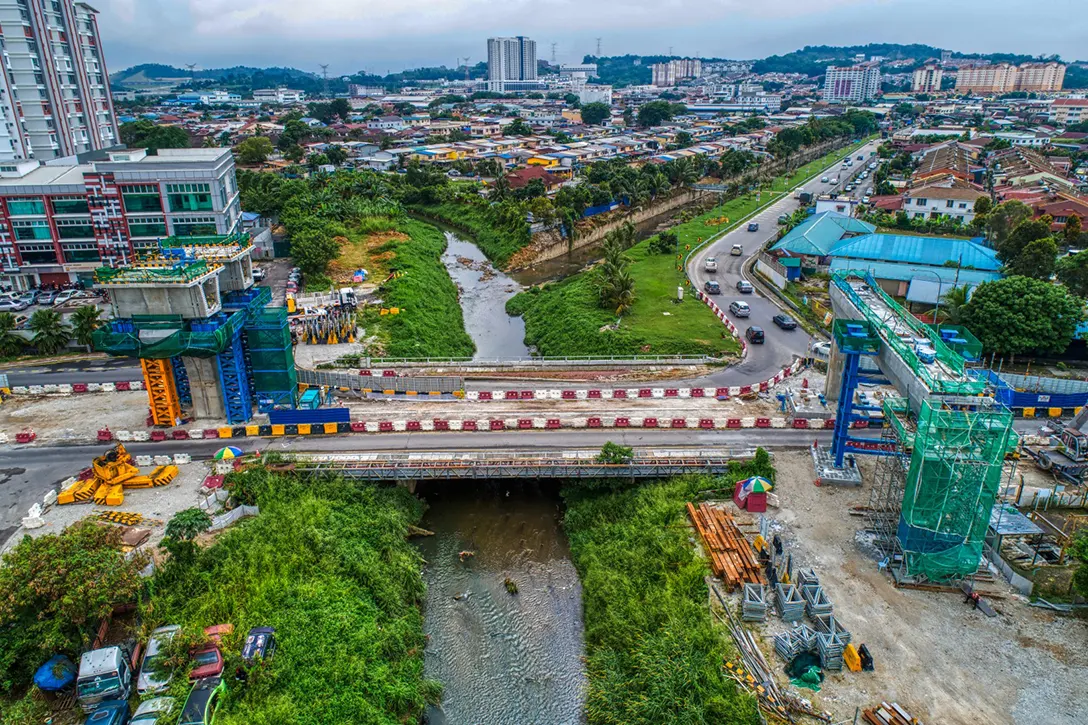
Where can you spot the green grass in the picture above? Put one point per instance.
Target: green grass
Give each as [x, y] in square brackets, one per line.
[653, 653]
[812, 168]
[327, 563]
[565, 318]
[430, 323]
[498, 244]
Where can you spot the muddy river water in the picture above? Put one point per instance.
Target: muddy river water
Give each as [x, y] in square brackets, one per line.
[503, 658]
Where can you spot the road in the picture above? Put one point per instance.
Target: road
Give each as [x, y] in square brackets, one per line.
[762, 361]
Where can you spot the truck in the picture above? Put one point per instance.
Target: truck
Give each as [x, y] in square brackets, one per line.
[805, 197]
[104, 674]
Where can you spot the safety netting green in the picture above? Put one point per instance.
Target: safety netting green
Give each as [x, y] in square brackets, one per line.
[157, 337]
[953, 479]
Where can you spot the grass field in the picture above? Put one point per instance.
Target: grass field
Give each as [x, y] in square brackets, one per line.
[812, 168]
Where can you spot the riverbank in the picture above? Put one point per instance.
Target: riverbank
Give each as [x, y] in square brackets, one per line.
[429, 321]
[565, 318]
[653, 653]
[499, 246]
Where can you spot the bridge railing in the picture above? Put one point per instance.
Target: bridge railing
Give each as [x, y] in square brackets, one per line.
[534, 362]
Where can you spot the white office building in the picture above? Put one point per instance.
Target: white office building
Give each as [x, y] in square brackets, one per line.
[510, 60]
[854, 84]
[54, 98]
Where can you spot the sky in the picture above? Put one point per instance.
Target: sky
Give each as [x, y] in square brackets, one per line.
[381, 36]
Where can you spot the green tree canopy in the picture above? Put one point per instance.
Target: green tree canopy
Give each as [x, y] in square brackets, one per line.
[51, 335]
[594, 114]
[1016, 315]
[146, 134]
[517, 128]
[1073, 273]
[254, 150]
[656, 113]
[1004, 218]
[1037, 259]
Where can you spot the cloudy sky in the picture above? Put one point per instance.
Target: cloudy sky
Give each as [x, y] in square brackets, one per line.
[390, 35]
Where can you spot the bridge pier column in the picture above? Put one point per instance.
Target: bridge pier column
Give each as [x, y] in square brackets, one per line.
[410, 485]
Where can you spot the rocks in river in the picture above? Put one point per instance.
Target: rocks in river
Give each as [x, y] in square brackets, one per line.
[462, 595]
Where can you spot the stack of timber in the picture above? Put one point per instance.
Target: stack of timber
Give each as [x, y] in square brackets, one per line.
[885, 714]
[731, 556]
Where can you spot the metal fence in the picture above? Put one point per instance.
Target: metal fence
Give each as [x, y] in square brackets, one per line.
[534, 362]
[396, 383]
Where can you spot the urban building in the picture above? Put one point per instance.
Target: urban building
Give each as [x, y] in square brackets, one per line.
[666, 75]
[569, 69]
[1068, 111]
[510, 60]
[853, 84]
[1006, 78]
[595, 94]
[281, 96]
[59, 222]
[928, 78]
[357, 91]
[55, 98]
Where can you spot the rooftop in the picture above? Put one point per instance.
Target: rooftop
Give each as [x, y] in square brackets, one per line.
[919, 250]
[819, 234]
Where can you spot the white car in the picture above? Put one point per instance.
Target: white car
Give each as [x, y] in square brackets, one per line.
[835, 181]
[153, 676]
[155, 711]
[12, 304]
[872, 166]
[736, 251]
[66, 296]
[711, 265]
[823, 180]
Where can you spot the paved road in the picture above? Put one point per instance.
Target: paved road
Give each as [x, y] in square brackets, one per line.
[762, 361]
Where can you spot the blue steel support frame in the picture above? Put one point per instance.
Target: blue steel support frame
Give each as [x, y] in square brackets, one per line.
[181, 382]
[846, 414]
[233, 382]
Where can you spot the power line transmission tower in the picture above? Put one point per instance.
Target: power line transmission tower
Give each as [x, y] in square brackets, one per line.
[192, 73]
[598, 47]
[553, 52]
[325, 76]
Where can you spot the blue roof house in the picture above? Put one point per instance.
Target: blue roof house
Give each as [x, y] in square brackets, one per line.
[818, 234]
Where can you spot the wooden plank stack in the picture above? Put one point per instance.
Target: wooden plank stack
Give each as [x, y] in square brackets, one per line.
[732, 558]
[885, 714]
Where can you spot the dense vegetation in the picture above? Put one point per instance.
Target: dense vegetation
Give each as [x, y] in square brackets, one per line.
[144, 134]
[327, 563]
[813, 60]
[1019, 314]
[653, 653]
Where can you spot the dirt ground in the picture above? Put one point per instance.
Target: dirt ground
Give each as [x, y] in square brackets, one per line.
[942, 660]
[71, 418]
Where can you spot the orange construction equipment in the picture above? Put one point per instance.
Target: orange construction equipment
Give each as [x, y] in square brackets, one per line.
[111, 473]
[161, 392]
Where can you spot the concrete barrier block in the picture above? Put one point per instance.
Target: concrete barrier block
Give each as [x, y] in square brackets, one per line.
[50, 497]
[483, 424]
[196, 433]
[36, 390]
[20, 390]
[748, 422]
[143, 461]
[49, 388]
[33, 522]
[64, 388]
[693, 422]
[181, 459]
[136, 385]
[163, 460]
[555, 395]
[632, 392]
[540, 422]
[3, 438]
[94, 387]
[576, 423]
[721, 423]
[455, 425]
[657, 393]
[400, 425]
[778, 423]
[498, 394]
[540, 395]
[123, 435]
[472, 395]
[734, 391]
[108, 387]
[581, 394]
[606, 394]
[684, 392]
[372, 426]
[426, 425]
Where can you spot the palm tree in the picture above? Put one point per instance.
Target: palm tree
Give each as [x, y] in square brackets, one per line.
[618, 291]
[51, 335]
[954, 301]
[86, 320]
[10, 343]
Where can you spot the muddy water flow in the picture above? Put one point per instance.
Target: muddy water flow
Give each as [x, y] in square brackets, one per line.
[503, 658]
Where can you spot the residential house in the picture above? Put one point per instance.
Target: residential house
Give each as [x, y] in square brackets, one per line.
[386, 123]
[934, 202]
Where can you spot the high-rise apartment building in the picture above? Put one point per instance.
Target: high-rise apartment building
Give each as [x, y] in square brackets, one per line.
[928, 78]
[853, 84]
[509, 61]
[1005, 78]
[665, 75]
[55, 97]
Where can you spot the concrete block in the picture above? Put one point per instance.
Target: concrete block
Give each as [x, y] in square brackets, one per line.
[123, 435]
[400, 425]
[163, 460]
[51, 496]
[455, 425]
[108, 387]
[180, 459]
[143, 461]
[472, 395]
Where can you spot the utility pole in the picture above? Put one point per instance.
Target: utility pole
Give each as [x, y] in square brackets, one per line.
[325, 75]
[670, 51]
[192, 73]
[467, 69]
[598, 47]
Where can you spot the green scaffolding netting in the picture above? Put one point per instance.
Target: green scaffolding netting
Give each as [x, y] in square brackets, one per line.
[159, 337]
[954, 476]
[272, 358]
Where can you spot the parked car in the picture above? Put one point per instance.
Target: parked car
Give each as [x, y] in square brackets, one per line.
[745, 287]
[736, 251]
[259, 274]
[202, 702]
[753, 226]
[156, 711]
[872, 166]
[711, 265]
[848, 188]
[65, 296]
[740, 309]
[30, 297]
[783, 218]
[153, 677]
[865, 199]
[754, 335]
[12, 304]
[110, 712]
[712, 288]
[208, 660]
[46, 297]
[785, 322]
[260, 643]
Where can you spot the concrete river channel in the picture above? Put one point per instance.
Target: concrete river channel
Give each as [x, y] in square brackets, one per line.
[503, 658]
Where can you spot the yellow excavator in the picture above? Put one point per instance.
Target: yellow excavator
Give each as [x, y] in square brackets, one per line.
[110, 474]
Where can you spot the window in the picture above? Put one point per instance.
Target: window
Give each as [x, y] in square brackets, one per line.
[147, 227]
[80, 252]
[963, 205]
[31, 230]
[69, 205]
[1061, 219]
[921, 202]
[141, 197]
[189, 197]
[25, 207]
[950, 204]
[38, 253]
[74, 228]
[195, 226]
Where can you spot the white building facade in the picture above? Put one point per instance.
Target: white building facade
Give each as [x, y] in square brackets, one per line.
[854, 84]
[510, 59]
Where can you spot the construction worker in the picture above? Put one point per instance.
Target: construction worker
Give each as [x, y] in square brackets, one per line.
[972, 597]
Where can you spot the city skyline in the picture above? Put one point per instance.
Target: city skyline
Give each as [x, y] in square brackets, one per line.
[383, 38]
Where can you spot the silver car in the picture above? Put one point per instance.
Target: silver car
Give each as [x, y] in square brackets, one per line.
[155, 711]
[153, 677]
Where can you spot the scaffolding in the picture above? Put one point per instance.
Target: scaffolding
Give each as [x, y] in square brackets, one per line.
[160, 337]
[233, 384]
[181, 381]
[161, 392]
[272, 358]
[930, 503]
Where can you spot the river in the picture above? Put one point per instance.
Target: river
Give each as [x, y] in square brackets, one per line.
[484, 292]
[502, 658]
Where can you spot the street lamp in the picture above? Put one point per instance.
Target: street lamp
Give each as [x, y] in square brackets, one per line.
[937, 309]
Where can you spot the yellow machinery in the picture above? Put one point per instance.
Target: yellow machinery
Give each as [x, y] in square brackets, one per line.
[111, 473]
[161, 392]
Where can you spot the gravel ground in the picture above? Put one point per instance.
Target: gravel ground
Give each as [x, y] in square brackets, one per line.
[60, 418]
[942, 660]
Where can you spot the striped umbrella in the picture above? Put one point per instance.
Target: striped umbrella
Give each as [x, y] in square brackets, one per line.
[225, 454]
[757, 484]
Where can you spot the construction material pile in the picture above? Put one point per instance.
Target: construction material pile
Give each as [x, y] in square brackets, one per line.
[109, 475]
[731, 556]
[791, 607]
[754, 606]
[893, 714]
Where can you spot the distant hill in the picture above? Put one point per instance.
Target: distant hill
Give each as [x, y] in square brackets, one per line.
[146, 72]
[812, 60]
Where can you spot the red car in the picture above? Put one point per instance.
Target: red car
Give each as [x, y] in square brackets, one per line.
[208, 660]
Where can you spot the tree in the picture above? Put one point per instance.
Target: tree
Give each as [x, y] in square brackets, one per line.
[1019, 314]
[1072, 271]
[10, 343]
[51, 335]
[1024, 234]
[1004, 218]
[86, 321]
[656, 113]
[667, 242]
[952, 303]
[294, 153]
[336, 155]
[254, 150]
[983, 205]
[1078, 551]
[1037, 259]
[594, 114]
[145, 134]
[186, 525]
[517, 128]
[615, 454]
[683, 140]
[54, 590]
[341, 108]
[313, 249]
[386, 143]
[1072, 229]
